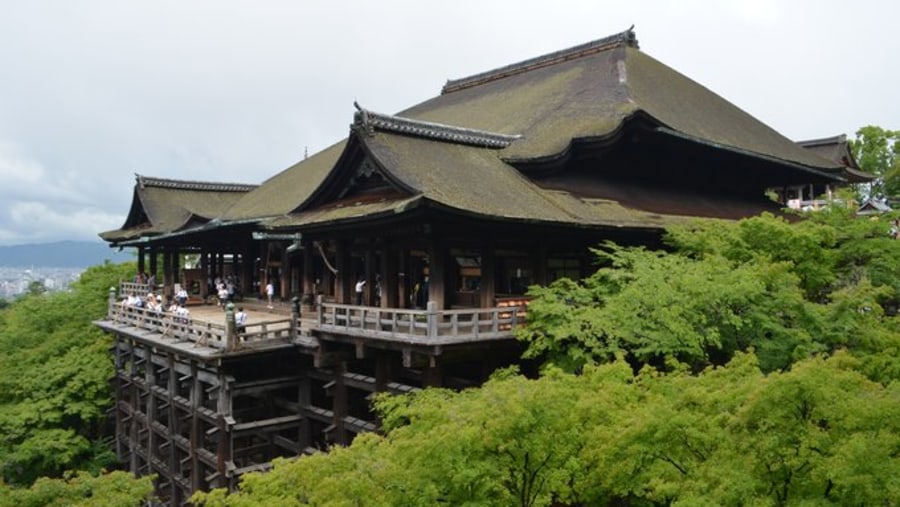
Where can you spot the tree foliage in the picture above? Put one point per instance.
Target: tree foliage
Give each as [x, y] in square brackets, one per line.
[821, 433]
[115, 489]
[54, 372]
[784, 289]
[877, 150]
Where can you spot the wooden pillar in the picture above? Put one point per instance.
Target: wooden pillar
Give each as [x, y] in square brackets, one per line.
[309, 282]
[196, 480]
[488, 277]
[437, 268]
[432, 375]
[304, 402]
[285, 280]
[140, 261]
[205, 269]
[151, 415]
[344, 290]
[175, 491]
[225, 446]
[247, 263]
[153, 253]
[390, 280]
[176, 268]
[403, 280]
[369, 265]
[339, 404]
[539, 266]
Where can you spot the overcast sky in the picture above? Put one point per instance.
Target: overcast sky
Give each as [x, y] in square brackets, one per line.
[92, 92]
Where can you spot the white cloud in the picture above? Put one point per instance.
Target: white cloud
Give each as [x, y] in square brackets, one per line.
[35, 221]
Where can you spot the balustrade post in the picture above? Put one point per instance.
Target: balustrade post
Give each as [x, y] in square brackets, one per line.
[112, 301]
[295, 317]
[230, 328]
[431, 318]
[319, 310]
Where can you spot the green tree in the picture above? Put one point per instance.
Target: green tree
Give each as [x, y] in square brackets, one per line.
[877, 151]
[54, 371]
[116, 489]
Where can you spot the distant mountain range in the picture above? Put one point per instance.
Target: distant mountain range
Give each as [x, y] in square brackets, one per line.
[62, 254]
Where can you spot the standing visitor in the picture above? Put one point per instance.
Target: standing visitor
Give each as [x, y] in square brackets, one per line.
[270, 292]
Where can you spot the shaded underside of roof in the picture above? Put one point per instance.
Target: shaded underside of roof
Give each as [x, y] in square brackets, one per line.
[474, 181]
[283, 192]
[591, 96]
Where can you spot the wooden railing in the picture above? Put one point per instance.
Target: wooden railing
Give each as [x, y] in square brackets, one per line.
[425, 326]
[223, 336]
[138, 289]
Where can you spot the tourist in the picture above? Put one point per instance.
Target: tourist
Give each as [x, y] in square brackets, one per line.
[270, 292]
[240, 320]
[181, 296]
[360, 286]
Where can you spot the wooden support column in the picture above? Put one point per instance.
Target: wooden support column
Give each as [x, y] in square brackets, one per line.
[225, 447]
[304, 402]
[339, 404]
[404, 280]
[344, 290]
[488, 277]
[437, 273]
[176, 268]
[151, 415]
[196, 433]
[285, 280]
[390, 281]
[172, 432]
[432, 376]
[168, 277]
[153, 266]
[247, 262]
[205, 269]
[539, 266]
[309, 282]
[135, 402]
[140, 261]
[369, 265]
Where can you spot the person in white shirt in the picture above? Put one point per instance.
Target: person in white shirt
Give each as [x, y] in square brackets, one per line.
[240, 320]
[270, 292]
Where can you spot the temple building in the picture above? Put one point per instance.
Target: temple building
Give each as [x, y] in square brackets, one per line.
[406, 249]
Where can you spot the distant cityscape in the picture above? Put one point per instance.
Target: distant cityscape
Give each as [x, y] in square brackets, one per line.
[15, 281]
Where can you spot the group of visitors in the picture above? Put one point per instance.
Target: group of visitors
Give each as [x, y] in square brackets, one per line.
[154, 303]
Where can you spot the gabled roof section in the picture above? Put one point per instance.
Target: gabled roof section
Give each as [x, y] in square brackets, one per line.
[161, 206]
[288, 189]
[837, 150]
[587, 92]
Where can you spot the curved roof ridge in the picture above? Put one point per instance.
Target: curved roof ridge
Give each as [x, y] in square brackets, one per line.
[212, 186]
[371, 121]
[626, 38]
[840, 138]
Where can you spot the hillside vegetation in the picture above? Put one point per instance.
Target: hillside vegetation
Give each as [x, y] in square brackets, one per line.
[756, 363]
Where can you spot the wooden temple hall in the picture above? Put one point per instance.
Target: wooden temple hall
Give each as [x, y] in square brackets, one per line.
[400, 256]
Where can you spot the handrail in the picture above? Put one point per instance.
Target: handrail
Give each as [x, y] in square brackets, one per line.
[427, 325]
[222, 336]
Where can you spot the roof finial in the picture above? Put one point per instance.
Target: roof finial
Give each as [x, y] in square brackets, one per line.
[362, 118]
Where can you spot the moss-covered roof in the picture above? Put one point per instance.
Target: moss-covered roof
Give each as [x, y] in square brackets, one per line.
[283, 192]
[473, 180]
[837, 150]
[590, 95]
[161, 206]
